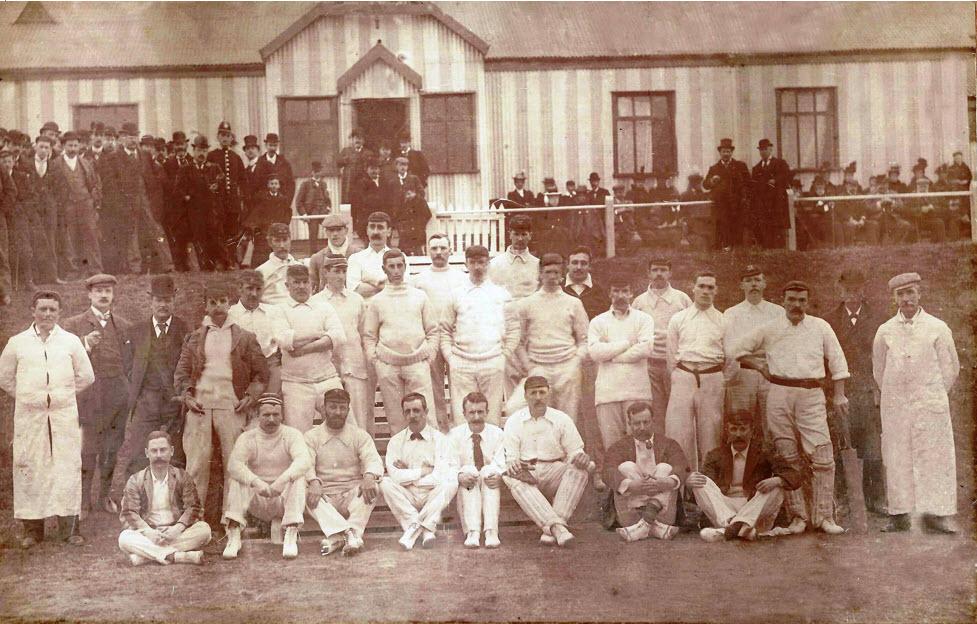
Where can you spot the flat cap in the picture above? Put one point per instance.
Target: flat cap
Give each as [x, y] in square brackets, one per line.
[536, 381]
[749, 271]
[336, 395]
[904, 279]
[101, 278]
[520, 223]
[796, 285]
[278, 230]
[333, 221]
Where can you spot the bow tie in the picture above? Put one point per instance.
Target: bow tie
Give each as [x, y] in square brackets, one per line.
[416, 436]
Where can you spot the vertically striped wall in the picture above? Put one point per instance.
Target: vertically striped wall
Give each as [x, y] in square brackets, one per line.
[165, 104]
[311, 63]
[560, 122]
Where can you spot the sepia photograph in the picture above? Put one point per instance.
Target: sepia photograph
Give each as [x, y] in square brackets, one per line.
[471, 311]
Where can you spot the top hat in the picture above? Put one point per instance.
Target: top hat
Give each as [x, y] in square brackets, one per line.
[250, 141]
[129, 128]
[271, 137]
[726, 144]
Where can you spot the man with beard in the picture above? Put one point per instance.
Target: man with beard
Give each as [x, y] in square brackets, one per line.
[341, 485]
[915, 364]
[794, 349]
[741, 489]
[156, 344]
[420, 481]
[161, 512]
[198, 184]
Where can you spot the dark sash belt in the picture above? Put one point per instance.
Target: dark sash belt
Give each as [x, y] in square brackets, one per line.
[810, 384]
[718, 368]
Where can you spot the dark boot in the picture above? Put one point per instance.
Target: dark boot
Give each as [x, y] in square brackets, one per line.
[69, 530]
[873, 484]
[33, 533]
[897, 523]
[939, 524]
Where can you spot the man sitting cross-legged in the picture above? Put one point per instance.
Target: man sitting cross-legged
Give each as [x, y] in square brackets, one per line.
[161, 513]
[645, 472]
[742, 489]
[419, 482]
[478, 454]
[267, 472]
[545, 461]
[342, 482]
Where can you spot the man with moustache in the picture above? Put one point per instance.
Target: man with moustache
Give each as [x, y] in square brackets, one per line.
[156, 344]
[341, 485]
[307, 332]
[369, 197]
[44, 368]
[229, 190]
[727, 182]
[794, 349]
[478, 454]
[199, 183]
[251, 314]
[366, 275]
[104, 409]
[274, 268]
[161, 513]
[78, 191]
[338, 243]
[176, 223]
[420, 481]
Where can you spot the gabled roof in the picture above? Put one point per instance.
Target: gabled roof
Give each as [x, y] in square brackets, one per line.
[378, 54]
[325, 9]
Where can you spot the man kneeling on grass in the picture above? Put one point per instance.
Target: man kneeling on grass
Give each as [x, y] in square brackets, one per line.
[161, 511]
[267, 472]
[743, 488]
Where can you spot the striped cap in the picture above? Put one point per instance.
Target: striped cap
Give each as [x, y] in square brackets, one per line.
[270, 398]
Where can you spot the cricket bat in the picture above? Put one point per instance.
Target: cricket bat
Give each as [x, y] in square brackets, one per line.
[852, 466]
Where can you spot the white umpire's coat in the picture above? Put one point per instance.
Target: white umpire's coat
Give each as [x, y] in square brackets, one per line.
[915, 364]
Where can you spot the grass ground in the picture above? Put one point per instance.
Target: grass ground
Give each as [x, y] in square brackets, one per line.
[812, 578]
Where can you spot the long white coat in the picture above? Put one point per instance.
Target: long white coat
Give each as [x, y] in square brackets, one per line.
[915, 364]
[44, 376]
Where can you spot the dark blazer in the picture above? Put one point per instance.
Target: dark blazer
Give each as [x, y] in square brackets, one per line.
[528, 198]
[123, 177]
[595, 301]
[85, 323]
[369, 197]
[393, 195]
[770, 202]
[137, 499]
[143, 335]
[417, 165]
[266, 209]
[353, 166]
[35, 195]
[235, 171]
[856, 341]
[59, 181]
[313, 199]
[667, 451]
[596, 196]
[719, 467]
[282, 167]
[728, 192]
[199, 187]
[249, 369]
[8, 194]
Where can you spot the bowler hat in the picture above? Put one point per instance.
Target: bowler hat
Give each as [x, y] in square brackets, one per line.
[200, 141]
[316, 165]
[593, 176]
[70, 135]
[764, 143]
[250, 141]
[271, 137]
[50, 125]
[147, 139]
[110, 131]
[726, 144]
[129, 128]
[179, 137]
[98, 127]
[162, 286]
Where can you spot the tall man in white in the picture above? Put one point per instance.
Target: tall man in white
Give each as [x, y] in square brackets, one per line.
[661, 302]
[516, 270]
[43, 368]
[267, 467]
[794, 349]
[694, 350]
[307, 333]
[419, 482]
[479, 334]
[915, 364]
[478, 454]
[366, 275]
[545, 461]
[438, 281]
[620, 342]
[349, 359]
[400, 335]
[553, 330]
[342, 483]
[273, 270]
[746, 390]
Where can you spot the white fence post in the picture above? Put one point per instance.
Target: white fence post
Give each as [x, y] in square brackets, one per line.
[610, 236]
[792, 215]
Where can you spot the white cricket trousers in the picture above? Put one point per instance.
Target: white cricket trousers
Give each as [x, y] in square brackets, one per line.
[694, 417]
[398, 381]
[303, 401]
[478, 507]
[612, 420]
[417, 505]
[565, 379]
[194, 537]
[362, 400]
[199, 448]
[760, 512]
[485, 376]
[342, 511]
[289, 507]
[628, 506]
[559, 481]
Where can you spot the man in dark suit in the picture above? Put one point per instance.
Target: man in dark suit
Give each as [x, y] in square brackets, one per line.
[645, 472]
[156, 344]
[417, 163]
[855, 323]
[313, 199]
[176, 218]
[36, 200]
[768, 209]
[740, 489]
[253, 184]
[369, 196]
[395, 200]
[103, 409]
[352, 164]
[230, 189]
[78, 190]
[272, 162]
[727, 182]
[521, 197]
[199, 185]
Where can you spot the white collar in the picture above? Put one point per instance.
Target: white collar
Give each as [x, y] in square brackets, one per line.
[639, 444]
[745, 451]
[70, 159]
[101, 316]
[513, 254]
[270, 159]
[278, 261]
[588, 282]
[164, 480]
[165, 323]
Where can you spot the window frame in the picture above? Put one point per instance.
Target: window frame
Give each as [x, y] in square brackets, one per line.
[78, 107]
[330, 167]
[435, 170]
[670, 101]
[819, 158]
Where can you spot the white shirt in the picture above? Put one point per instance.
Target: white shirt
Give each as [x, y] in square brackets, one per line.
[260, 322]
[463, 449]
[696, 337]
[272, 158]
[517, 272]
[72, 162]
[165, 324]
[475, 323]
[745, 317]
[661, 305]
[579, 288]
[273, 270]
[796, 351]
[302, 319]
[551, 437]
[160, 512]
[366, 263]
[433, 449]
[40, 166]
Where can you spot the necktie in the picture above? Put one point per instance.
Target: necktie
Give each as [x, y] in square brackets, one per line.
[416, 436]
[477, 448]
[162, 330]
